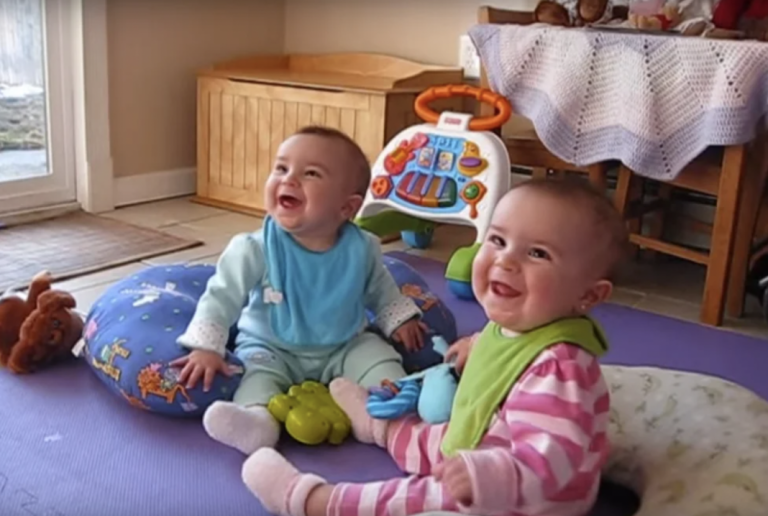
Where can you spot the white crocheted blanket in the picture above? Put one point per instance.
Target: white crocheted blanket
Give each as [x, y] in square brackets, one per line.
[654, 102]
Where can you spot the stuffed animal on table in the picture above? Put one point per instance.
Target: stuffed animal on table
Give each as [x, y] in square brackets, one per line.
[39, 330]
[686, 17]
[658, 15]
[429, 393]
[573, 13]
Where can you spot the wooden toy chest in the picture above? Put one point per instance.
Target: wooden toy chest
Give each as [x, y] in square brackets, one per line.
[246, 107]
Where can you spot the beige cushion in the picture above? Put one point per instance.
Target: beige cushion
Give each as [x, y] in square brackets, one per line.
[687, 444]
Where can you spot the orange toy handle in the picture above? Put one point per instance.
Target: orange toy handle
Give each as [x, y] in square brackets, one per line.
[502, 105]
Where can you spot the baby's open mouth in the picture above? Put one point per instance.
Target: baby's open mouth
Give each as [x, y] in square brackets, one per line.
[503, 290]
[288, 202]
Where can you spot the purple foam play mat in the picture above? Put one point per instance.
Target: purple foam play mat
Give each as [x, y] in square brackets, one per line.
[68, 447]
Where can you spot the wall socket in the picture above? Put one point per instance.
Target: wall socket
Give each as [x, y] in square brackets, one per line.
[469, 59]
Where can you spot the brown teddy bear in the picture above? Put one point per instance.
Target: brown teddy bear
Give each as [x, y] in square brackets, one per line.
[40, 330]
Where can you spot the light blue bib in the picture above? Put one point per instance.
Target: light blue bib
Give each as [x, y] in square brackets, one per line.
[316, 298]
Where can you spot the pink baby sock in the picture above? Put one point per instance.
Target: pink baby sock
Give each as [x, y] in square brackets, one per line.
[352, 399]
[280, 487]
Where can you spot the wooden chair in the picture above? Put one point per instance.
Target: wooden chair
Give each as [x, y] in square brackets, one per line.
[524, 146]
[723, 173]
[735, 177]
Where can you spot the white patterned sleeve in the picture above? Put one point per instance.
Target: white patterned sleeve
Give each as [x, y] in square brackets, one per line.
[383, 297]
[238, 271]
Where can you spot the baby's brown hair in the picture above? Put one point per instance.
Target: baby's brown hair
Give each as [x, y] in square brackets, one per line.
[607, 220]
[360, 164]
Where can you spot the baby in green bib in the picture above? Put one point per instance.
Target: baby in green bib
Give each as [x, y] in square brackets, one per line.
[528, 430]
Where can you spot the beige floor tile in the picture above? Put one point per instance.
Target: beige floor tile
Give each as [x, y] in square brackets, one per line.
[670, 307]
[215, 232]
[220, 228]
[445, 242]
[626, 297]
[665, 277]
[99, 278]
[752, 324]
[210, 260]
[397, 245]
[164, 213]
[87, 297]
[195, 254]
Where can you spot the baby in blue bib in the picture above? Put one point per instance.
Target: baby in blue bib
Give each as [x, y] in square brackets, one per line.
[298, 290]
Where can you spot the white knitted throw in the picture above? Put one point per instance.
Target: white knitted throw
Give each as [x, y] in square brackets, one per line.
[653, 102]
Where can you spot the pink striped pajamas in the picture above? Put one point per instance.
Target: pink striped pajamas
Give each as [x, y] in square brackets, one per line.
[541, 456]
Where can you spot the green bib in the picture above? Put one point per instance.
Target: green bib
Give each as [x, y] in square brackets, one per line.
[495, 365]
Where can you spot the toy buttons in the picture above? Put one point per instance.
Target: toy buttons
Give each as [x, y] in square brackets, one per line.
[429, 393]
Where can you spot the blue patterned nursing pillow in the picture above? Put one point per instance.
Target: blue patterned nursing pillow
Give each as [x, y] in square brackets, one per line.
[131, 333]
[436, 314]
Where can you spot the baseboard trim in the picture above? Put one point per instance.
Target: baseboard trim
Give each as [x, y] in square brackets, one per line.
[154, 186]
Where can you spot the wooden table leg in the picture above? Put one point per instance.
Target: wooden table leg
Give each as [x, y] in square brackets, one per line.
[629, 190]
[723, 235]
[598, 176]
[752, 192]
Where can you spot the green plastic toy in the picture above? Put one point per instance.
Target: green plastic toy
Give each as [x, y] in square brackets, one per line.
[389, 222]
[310, 415]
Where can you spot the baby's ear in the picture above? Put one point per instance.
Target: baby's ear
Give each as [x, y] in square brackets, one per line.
[351, 206]
[596, 294]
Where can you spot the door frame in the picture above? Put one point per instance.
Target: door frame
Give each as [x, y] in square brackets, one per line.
[93, 154]
[84, 95]
[57, 186]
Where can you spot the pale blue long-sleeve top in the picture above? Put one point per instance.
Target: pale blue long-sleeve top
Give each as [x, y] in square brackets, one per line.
[284, 295]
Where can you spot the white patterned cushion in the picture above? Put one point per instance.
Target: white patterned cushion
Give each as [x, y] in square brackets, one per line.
[688, 444]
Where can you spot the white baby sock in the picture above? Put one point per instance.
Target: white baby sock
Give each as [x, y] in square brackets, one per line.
[244, 428]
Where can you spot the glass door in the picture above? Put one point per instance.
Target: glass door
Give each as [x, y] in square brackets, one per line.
[36, 130]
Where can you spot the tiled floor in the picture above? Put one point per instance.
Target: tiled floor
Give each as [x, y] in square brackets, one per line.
[668, 287]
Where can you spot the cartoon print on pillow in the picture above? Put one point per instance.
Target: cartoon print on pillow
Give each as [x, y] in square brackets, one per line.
[131, 337]
[436, 315]
[107, 356]
[164, 383]
[415, 292]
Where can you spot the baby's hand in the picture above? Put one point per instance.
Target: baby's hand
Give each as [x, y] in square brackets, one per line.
[411, 335]
[459, 351]
[201, 364]
[454, 474]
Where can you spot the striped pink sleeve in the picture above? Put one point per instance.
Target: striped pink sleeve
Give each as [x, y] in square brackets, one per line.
[549, 441]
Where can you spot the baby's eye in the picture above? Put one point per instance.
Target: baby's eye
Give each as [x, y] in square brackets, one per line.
[538, 253]
[281, 169]
[312, 173]
[496, 240]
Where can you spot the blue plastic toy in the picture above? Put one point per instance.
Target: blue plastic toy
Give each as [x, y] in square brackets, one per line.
[430, 392]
